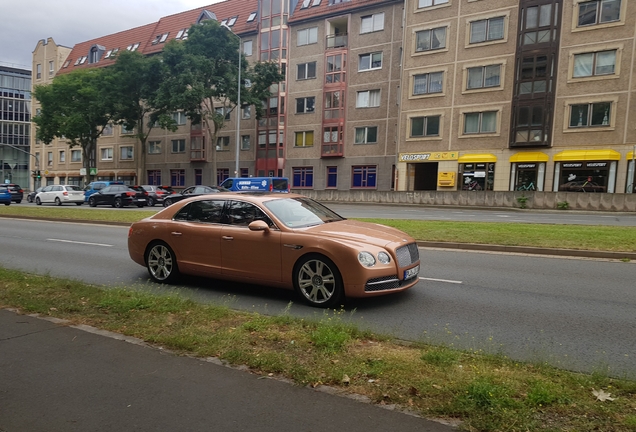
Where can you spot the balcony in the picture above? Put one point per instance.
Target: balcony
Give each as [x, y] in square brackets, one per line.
[332, 150]
[337, 41]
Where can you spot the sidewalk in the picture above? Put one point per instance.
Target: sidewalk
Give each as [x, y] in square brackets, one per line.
[54, 377]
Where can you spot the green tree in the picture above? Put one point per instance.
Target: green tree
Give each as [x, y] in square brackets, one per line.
[203, 77]
[75, 107]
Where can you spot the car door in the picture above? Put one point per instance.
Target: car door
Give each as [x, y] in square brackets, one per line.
[250, 254]
[46, 194]
[196, 237]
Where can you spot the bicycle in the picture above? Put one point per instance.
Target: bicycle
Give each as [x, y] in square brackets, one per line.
[528, 187]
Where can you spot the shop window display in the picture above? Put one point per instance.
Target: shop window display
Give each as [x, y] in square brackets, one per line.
[477, 176]
[584, 176]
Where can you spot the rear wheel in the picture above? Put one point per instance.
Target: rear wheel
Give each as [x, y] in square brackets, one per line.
[167, 202]
[57, 201]
[161, 263]
[18, 201]
[151, 202]
[29, 199]
[38, 202]
[318, 281]
[78, 203]
[118, 203]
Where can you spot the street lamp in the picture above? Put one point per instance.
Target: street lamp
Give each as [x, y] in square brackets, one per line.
[238, 102]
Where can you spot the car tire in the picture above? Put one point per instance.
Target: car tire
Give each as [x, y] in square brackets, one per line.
[318, 281]
[161, 263]
[167, 202]
[29, 199]
[92, 202]
[38, 202]
[151, 202]
[18, 201]
[118, 203]
[7, 203]
[79, 204]
[57, 201]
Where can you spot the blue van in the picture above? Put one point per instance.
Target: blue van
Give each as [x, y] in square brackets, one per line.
[256, 184]
[95, 186]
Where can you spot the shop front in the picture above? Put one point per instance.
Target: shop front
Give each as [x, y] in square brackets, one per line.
[477, 171]
[585, 171]
[429, 171]
[631, 164]
[527, 171]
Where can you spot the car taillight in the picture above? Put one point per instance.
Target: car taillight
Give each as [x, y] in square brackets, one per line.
[65, 193]
[271, 187]
[131, 194]
[20, 190]
[160, 192]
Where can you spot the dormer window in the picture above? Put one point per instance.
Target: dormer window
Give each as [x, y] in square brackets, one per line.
[164, 37]
[108, 54]
[252, 17]
[206, 15]
[232, 21]
[316, 3]
[66, 63]
[185, 35]
[179, 34]
[83, 60]
[305, 4]
[224, 22]
[77, 61]
[114, 53]
[135, 46]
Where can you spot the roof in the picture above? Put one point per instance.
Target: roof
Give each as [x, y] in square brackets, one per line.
[312, 9]
[151, 38]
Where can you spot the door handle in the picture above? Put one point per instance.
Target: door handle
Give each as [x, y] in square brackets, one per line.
[228, 238]
[176, 233]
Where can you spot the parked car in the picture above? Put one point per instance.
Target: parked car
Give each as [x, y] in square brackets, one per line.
[282, 240]
[192, 191]
[31, 195]
[118, 196]
[156, 194]
[5, 195]
[16, 192]
[581, 186]
[266, 184]
[60, 194]
[95, 186]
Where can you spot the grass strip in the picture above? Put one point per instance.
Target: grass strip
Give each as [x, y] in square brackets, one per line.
[583, 237]
[481, 392]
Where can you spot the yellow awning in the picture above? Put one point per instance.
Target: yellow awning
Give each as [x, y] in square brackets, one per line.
[630, 155]
[586, 155]
[529, 157]
[477, 157]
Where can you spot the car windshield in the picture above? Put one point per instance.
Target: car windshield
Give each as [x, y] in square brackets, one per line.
[301, 212]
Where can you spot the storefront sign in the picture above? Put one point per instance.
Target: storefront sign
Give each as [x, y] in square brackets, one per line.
[527, 166]
[427, 157]
[573, 165]
[597, 164]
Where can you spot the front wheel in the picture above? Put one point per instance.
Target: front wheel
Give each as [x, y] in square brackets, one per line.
[57, 201]
[118, 203]
[161, 263]
[38, 202]
[151, 202]
[92, 202]
[318, 281]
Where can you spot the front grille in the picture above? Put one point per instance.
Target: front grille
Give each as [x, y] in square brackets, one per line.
[407, 255]
[385, 283]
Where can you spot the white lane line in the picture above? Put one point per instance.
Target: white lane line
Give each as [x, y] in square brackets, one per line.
[78, 242]
[441, 280]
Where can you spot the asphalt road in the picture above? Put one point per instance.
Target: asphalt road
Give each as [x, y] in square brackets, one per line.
[573, 313]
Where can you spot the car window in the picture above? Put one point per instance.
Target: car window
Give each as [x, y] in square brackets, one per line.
[73, 188]
[47, 189]
[243, 213]
[301, 212]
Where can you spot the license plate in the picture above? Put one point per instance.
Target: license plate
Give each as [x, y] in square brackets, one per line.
[412, 272]
[141, 199]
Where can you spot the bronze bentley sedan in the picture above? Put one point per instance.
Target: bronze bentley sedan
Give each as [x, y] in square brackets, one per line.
[280, 240]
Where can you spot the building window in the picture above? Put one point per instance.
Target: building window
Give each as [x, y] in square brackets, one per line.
[62, 156]
[177, 177]
[179, 117]
[305, 105]
[247, 112]
[154, 147]
[487, 30]
[247, 48]
[307, 36]
[107, 154]
[332, 177]
[306, 71]
[223, 112]
[372, 23]
[335, 68]
[178, 146]
[108, 130]
[222, 174]
[198, 176]
[368, 99]
[38, 71]
[590, 115]
[429, 40]
[484, 76]
[334, 106]
[428, 83]
[154, 177]
[126, 131]
[245, 142]
[425, 126]
[303, 177]
[370, 61]
[76, 155]
[222, 143]
[593, 64]
[366, 135]
[94, 55]
[364, 176]
[539, 26]
[599, 12]
[51, 68]
[480, 123]
[428, 3]
[304, 139]
[49, 158]
[126, 153]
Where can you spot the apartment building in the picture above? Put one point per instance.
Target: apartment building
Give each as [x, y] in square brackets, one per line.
[15, 125]
[438, 95]
[517, 95]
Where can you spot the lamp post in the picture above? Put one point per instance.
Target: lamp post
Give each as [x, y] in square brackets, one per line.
[238, 102]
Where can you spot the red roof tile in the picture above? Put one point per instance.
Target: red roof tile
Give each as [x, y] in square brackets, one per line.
[325, 9]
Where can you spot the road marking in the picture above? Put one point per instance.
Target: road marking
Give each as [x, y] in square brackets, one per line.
[78, 242]
[441, 280]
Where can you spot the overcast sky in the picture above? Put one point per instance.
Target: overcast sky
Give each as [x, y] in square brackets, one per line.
[25, 22]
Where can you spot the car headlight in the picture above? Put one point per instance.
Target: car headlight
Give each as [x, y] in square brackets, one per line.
[366, 259]
[384, 258]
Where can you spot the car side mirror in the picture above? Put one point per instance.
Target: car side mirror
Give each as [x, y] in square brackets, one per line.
[258, 225]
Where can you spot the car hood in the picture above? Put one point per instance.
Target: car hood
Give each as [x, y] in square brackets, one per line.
[360, 232]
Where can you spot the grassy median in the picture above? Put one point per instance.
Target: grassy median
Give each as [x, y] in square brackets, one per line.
[475, 390]
[600, 238]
